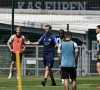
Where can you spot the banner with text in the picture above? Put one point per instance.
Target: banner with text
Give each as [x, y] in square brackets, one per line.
[52, 4]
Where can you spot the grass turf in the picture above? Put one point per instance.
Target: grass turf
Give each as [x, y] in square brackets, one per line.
[33, 83]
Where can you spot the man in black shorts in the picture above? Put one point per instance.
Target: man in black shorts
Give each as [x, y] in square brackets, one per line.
[15, 44]
[69, 56]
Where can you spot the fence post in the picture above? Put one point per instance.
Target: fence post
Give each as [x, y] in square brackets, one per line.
[12, 24]
[36, 70]
[67, 27]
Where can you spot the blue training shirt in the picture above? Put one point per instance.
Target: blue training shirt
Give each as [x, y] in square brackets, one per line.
[49, 42]
[68, 53]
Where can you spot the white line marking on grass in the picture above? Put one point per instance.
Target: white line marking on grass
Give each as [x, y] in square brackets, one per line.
[84, 84]
[3, 78]
[48, 86]
[34, 78]
[3, 87]
[41, 86]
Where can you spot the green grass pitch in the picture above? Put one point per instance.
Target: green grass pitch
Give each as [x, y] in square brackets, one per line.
[33, 83]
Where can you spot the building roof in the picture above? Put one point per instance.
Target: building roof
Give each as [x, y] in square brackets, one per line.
[77, 23]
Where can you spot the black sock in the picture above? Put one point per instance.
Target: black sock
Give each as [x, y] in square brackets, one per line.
[53, 81]
[45, 79]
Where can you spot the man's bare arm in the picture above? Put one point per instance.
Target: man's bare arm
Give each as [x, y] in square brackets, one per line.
[34, 43]
[59, 58]
[76, 58]
[24, 48]
[98, 49]
[9, 46]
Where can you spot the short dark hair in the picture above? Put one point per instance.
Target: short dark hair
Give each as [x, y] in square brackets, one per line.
[98, 26]
[18, 28]
[68, 34]
[50, 27]
[61, 30]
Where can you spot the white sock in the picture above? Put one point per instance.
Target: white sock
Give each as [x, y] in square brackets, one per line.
[62, 80]
[10, 74]
[70, 80]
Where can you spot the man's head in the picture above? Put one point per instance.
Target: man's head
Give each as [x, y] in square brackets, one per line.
[18, 31]
[48, 29]
[98, 29]
[68, 35]
[61, 33]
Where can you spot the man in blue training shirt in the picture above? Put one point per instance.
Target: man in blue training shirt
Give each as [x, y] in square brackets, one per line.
[50, 42]
[69, 56]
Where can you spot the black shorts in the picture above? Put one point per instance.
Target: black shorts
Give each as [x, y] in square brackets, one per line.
[98, 57]
[68, 72]
[61, 74]
[13, 57]
[98, 60]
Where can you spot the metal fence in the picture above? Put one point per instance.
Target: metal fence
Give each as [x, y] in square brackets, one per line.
[32, 62]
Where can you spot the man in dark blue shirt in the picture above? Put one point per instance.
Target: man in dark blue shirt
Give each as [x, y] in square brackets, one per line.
[50, 42]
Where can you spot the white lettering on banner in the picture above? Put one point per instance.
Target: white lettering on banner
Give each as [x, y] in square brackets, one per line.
[48, 5]
[80, 7]
[73, 5]
[65, 5]
[38, 5]
[59, 5]
[20, 4]
[54, 5]
[30, 5]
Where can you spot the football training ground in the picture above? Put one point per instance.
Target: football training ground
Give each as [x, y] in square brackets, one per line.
[34, 83]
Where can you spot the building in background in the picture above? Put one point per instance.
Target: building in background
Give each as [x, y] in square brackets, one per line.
[33, 15]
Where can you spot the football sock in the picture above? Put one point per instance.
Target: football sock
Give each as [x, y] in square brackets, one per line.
[62, 80]
[53, 81]
[10, 74]
[45, 79]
